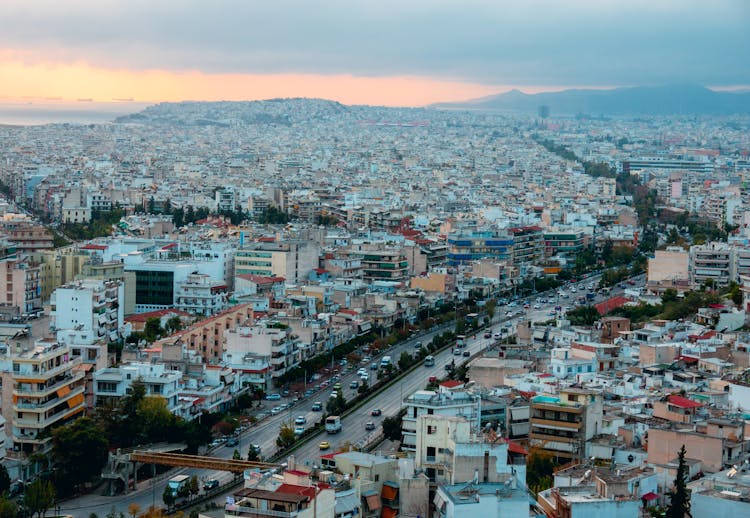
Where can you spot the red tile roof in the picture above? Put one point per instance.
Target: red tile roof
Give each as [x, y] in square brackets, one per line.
[514, 447]
[608, 305]
[451, 384]
[142, 317]
[684, 402]
[94, 247]
[260, 279]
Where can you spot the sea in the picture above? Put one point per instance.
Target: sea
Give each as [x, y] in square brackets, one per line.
[82, 112]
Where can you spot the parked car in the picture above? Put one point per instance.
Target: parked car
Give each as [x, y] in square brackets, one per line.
[210, 484]
[273, 397]
[276, 410]
[232, 442]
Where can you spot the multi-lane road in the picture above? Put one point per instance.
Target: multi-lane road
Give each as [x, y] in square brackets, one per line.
[388, 400]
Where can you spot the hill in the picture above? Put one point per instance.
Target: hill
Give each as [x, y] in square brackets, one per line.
[641, 100]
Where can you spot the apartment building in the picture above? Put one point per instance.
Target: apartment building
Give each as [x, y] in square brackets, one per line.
[384, 265]
[42, 387]
[293, 259]
[199, 294]
[89, 306]
[22, 284]
[450, 400]
[566, 243]
[714, 262]
[206, 336]
[561, 425]
[158, 380]
[465, 248]
[528, 244]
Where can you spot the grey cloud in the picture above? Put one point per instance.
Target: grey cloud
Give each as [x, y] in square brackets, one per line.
[530, 43]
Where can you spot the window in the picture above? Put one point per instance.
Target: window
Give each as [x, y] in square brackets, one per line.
[431, 430]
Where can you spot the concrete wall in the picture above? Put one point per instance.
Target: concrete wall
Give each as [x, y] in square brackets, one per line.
[705, 505]
[663, 446]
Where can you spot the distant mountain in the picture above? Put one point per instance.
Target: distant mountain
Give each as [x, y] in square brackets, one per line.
[640, 100]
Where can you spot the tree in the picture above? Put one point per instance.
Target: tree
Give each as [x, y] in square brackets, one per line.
[540, 466]
[679, 498]
[79, 449]
[337, 405]
[252, 454]
[178, 217]
[286, 437]
[173, 325]
[154, 419]
[194, 486]
[134, 509]
[4, 479]
[40, 496]
[114, 513]
[392, 426]
[152, 330]
[168, 497]
[236, 454]
[8, 508]
[404, 361]
[669, 295]
[151, 205]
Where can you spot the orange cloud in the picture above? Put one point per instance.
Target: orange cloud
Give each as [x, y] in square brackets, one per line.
[19, 80]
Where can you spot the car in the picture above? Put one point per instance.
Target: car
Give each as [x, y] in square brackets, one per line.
[273, 397]
[417, 345]
[317, 406]
[519, 312]
[373, 366]
[284, 406]
[337, 387]
[256, 447]
[448, 367]
[456, 352]
[217, 442]
[512, 305]
[369, 425]
[361, 371]
[467, 353]
[333, 395]
[364, 377]
[497, 334]
[285, 393]
[573, 289]
[309, 392]
[488, 334]
[508, 313]
[276, 410]
[354, 384]
[366, 360]
[232, 442]
[324, 445]
[300, 420]
[432, 379]
[537, 306]
[526, 306]
[299, 430]
[210, 484]
[376, 412]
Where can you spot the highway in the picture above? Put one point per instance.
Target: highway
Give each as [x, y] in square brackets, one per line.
[388, 400]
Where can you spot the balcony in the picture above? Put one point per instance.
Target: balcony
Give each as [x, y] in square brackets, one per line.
[42, 407]
[47, 390]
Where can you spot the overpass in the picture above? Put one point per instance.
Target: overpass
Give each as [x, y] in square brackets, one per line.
[123, 465]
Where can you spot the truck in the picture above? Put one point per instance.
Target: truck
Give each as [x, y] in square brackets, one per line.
[333, 424]
[179, 485]
[460, 341]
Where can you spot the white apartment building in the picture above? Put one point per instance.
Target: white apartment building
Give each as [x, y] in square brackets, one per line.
[713, 261]
[199, 294]
[115, 382]
[261, 352]
[92, 308]
[449, 400]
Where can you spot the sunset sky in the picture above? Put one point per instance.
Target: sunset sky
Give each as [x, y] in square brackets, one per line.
[407, 53]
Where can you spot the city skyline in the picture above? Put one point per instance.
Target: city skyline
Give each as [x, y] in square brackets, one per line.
[390, 54]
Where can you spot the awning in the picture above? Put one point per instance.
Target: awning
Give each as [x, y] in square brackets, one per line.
[75, 400]
[373, 502]
[389, 493]
[389, 513]
[63, 391]
[650, 496]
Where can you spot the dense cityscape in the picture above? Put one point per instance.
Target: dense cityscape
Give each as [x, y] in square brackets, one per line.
[301, 308]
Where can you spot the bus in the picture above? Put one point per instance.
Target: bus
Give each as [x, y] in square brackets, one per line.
[178, 484]
[333, 424]
[460, 341]
[429, 361]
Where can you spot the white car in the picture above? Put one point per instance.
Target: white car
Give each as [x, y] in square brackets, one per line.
[537, 306]
[276, 410]
[362, 371]
[300, 420]
[299, 430]
[364, 376]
